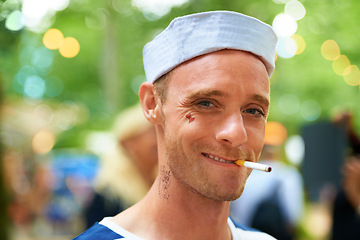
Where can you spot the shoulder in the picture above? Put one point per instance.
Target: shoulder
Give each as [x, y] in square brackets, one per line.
[251, 235]
[98, 232]
[242, 232]
[106, 229]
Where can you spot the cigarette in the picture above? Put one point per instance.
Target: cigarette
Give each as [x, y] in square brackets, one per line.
[253, 165]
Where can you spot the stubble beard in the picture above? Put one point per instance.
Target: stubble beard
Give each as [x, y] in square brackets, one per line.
[186, 170]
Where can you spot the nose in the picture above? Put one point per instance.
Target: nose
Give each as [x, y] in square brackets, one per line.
[232, 131]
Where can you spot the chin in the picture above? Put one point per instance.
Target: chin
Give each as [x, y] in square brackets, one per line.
[227, 195]
[234, 196]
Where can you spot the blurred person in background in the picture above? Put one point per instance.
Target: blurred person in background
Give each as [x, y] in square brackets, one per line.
[272, 203]
[346, 208]
[29, 189]
[126, 175]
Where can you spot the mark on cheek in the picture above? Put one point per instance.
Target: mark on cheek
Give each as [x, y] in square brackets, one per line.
[164, 182]
[188, 116]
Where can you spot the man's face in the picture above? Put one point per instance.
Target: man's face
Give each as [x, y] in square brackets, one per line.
[226, 95]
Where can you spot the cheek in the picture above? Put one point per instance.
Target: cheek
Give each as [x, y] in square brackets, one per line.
[256, 137]
[190, 123]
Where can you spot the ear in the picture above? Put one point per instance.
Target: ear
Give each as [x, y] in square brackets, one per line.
[149, 102]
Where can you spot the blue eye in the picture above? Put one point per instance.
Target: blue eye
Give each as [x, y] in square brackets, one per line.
[255, 111]
[251, 111]
[205, 103]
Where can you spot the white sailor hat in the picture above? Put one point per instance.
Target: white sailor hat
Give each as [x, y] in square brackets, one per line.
[193, 35]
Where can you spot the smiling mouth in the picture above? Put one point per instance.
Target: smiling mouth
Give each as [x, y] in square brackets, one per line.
[217, 158]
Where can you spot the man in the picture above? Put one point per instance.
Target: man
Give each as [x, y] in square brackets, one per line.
[208, 96]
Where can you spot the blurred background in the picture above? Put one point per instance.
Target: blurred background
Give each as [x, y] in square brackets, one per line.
[68, 67]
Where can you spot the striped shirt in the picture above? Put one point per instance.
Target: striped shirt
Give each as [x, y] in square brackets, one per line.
[108, 230]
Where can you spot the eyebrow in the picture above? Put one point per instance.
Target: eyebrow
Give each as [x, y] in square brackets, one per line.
[261, 99]
[206, 93]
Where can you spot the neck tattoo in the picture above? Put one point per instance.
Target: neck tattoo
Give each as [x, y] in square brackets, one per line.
[164, 183]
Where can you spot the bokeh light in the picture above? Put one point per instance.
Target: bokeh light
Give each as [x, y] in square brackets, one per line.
[34, 87]
[289, 104]
[352, 75]
[295, 9]
[58, 5]
[38, 13]
[19, 80]
[101, 142]
[300, 43]
[340, 64]
[286, 47]
[44, 114]
[310, 110]
[154, 9]
[70, 47]
[43, 141]
[318, 221]
[330, 50]
[35, 9]
[275, 133]
[15, 21]
[284, 25]
[97, 19]
[295, 149]
[42, 58]
[53, 38]
[280, 1]
[68, 115]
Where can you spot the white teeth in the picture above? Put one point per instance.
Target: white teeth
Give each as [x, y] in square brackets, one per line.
[218, 159]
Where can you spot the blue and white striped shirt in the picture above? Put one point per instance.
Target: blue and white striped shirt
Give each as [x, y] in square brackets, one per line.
[108, 230]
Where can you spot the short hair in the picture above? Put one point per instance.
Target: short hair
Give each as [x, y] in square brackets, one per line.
[161, 86]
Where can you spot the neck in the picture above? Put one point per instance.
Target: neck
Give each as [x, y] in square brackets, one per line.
[180, 214]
